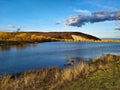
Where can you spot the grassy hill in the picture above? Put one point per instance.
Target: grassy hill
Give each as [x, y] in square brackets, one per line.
[65, 35]
[10, 38]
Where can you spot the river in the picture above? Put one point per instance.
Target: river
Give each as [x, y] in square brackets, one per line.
[34, 56]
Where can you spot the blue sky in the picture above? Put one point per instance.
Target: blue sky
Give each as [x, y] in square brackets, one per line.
[41, 15]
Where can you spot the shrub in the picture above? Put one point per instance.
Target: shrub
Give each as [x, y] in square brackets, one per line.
[22, 37]
[5, 36]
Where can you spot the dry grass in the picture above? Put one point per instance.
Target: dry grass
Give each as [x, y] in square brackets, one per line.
[91, 40]
[101, 41]
[49, 79]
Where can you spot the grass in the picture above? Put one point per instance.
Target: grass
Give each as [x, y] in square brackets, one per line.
[87, 40]
[102, 74]
[104, 78]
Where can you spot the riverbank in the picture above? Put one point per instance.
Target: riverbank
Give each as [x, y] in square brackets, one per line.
[53, 40]
[102, 41]
[102, 73]
[7, 38]
[2, 43]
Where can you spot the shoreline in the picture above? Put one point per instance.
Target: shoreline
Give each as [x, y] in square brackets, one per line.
[49, 77]
[9, 38]
[69, 64]
[34, 42]
[21, 42]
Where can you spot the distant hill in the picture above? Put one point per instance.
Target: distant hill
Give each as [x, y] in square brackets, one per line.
[16, 38]
[65, 35]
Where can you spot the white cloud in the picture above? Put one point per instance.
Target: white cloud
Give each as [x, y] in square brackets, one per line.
[57, 22]
[11, 26]
[82, 11]
[95, 17]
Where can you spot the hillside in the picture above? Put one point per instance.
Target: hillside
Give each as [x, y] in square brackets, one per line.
[9, 38]
[65, 35]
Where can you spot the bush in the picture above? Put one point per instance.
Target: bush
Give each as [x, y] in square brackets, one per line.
[22, 37]
[41, 38]
[5, 36]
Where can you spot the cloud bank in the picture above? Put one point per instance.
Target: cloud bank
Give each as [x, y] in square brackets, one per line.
[95, 17]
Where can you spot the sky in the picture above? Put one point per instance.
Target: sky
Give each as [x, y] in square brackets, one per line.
[52, 15]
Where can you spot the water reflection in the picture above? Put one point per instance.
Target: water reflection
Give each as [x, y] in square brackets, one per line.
[18, 47]
[21, 47]
[5, 48]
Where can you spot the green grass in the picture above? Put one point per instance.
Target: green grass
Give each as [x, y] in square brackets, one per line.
[102, 74]
[106, 79]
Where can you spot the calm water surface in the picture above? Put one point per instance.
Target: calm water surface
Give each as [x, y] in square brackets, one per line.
[26, 57]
